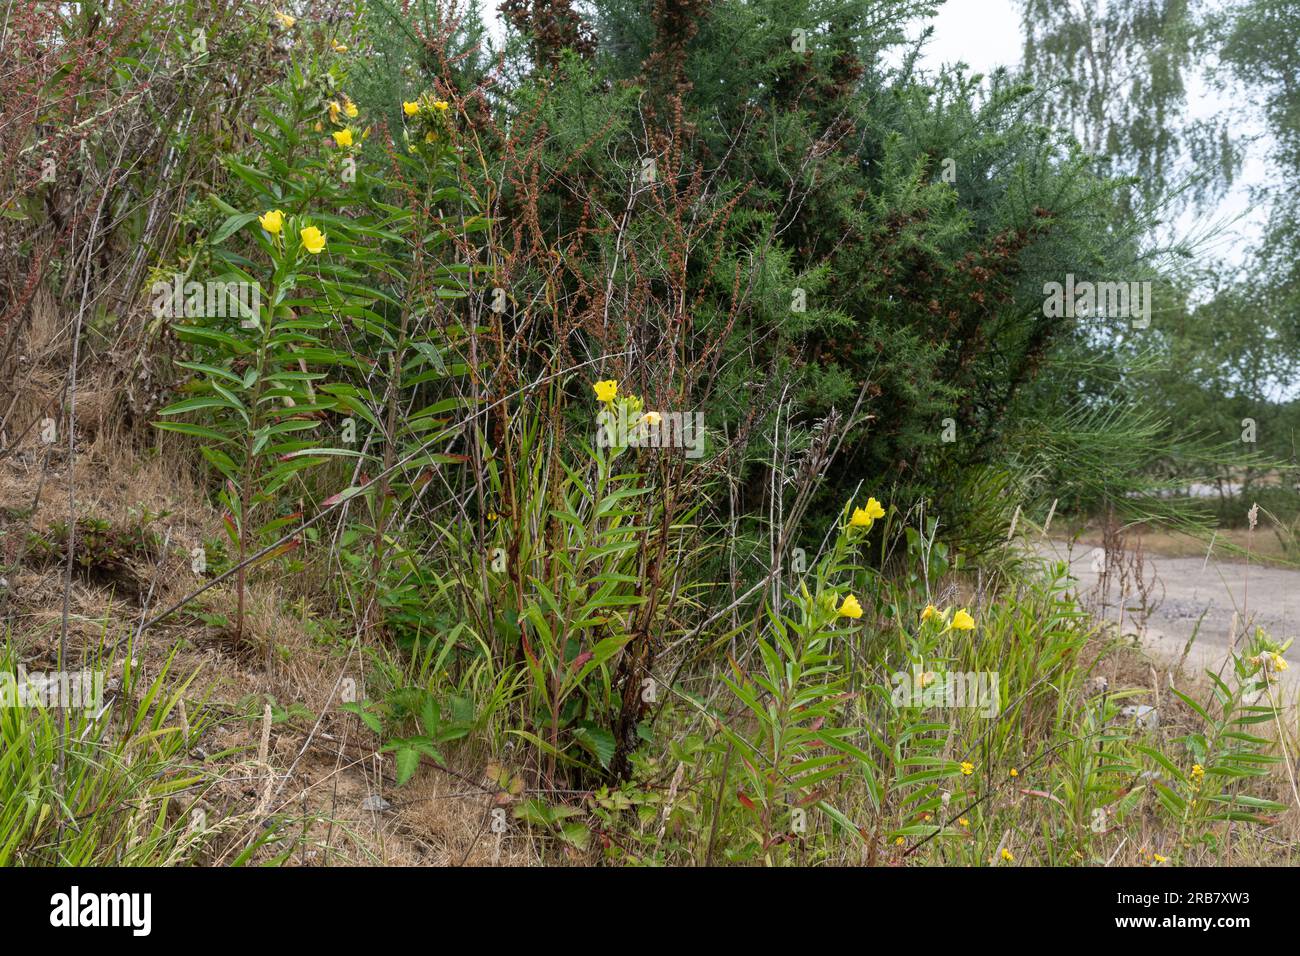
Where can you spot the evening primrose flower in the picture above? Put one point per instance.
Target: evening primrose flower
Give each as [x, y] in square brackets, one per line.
[272, 221]
[864, 517]
[338, 47]
[850, 608]
[606, 390]
[967, 768]
[410, 108]
[1006, 855]
[1015, 772]
[343, 137]
[962, 621]
[431, 137]
[349, 109]
[930, 613]
[1158, 858]
[441, 105]
[286, 22]
[334, 111]
[1279, 663]
[313, 240]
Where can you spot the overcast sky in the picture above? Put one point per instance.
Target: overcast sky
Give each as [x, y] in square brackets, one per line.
[986, 33]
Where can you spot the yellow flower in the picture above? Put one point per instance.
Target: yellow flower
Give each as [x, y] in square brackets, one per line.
[1160, 859]
[963, 822]
[850, 608]
[410, 108]
[431, 137]
[286, 22]
[930, 613]
[272, 221]
[899, 841]
[874, 510]
[967, 768]
[1006, 855]
[313, 240]
[860, 518]
[652, 418]
[320, 127]
[441, 105]
[961, 621]
[338, 47]
[343, 137]
[1015, 772]
[606, 390]
[1197, 771]
[1279, 663]
[334, 111]
[350, 109]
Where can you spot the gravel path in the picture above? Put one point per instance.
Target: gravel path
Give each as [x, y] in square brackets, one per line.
[1182, 589]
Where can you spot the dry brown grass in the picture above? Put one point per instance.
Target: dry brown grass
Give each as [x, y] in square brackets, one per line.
[320, 770]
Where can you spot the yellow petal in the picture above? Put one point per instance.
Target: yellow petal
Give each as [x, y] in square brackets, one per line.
[272, 221]
[962, 621]
[860, 518]
[313, 240]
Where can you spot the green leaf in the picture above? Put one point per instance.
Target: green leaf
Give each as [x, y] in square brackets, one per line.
[230, 227]
[598, 741]
[408, 758]
[370, 720]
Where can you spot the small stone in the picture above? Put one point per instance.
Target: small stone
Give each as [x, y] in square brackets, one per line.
[375, 803]
[1144, 715]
